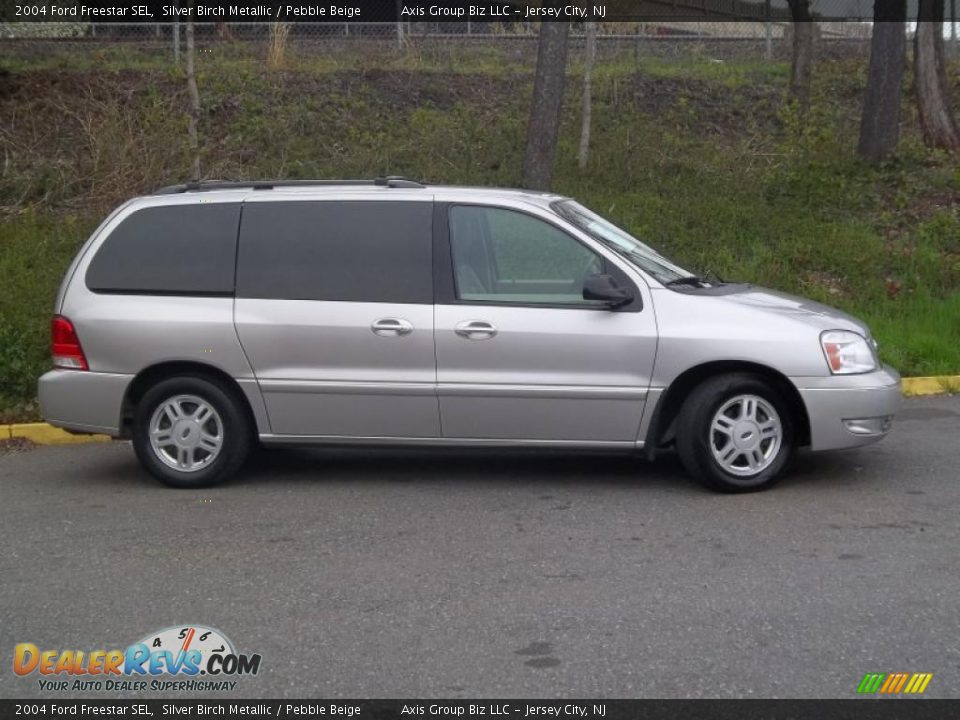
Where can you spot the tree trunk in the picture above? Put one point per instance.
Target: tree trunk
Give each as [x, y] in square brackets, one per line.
[223, 32]
[936, 121]
[880, 122]
[801, 66]
[590, 56]
[194, 103]
[544, 122]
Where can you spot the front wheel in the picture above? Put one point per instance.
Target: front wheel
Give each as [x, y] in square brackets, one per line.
[735, 433]
[191, 432]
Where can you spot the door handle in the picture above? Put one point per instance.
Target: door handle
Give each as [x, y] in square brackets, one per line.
[475, 330]
[392, 327]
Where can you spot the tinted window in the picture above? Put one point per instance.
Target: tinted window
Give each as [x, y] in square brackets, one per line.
[377, 251]
[502, 255]
[188, 249]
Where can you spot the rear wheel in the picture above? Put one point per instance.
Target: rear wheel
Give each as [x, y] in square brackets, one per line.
[735, 433]
[191, 432]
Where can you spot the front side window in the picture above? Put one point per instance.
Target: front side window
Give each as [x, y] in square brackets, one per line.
[349, 251]
[505, 256]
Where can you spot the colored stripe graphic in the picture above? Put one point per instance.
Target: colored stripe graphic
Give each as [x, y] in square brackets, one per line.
[890, 682]
[901, 681]
[895, 683]
[919, 682]
[871, 682]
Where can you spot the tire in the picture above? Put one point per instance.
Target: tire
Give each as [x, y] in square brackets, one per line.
[193, 449]
[735, 433]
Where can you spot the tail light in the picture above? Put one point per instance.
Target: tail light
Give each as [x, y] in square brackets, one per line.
[65, 345]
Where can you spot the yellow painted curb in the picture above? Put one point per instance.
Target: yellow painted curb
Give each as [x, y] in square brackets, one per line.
[44, 434]
[931, 385]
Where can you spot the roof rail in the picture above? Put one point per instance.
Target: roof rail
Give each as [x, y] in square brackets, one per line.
[398, 181]
[392, 181]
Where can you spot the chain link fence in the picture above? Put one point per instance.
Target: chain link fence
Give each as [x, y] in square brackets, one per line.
[400, 31]
[742, 39]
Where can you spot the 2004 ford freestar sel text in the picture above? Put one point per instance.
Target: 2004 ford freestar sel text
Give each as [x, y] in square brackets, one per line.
[205, 318]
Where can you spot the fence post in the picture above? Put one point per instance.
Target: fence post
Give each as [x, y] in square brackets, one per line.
[768, 31]
[953, 24]
[399, 7]
[176, 42]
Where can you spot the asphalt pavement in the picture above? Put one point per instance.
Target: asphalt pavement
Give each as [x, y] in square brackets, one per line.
[412, 574]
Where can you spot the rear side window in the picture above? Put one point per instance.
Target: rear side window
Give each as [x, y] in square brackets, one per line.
[376, 251]
[172, 249]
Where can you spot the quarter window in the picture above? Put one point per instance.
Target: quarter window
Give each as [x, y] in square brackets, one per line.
[502, 255]
[170, 249]
[359, 251]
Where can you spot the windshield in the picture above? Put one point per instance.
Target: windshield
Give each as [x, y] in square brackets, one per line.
[620, 241]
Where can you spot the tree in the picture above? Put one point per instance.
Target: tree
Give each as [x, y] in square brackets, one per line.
[936, 121]
[880, 122]
[544, 123]
[590, 56]
[194, 102]
[801, 66]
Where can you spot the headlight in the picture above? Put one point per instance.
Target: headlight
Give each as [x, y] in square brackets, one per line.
[847, 352]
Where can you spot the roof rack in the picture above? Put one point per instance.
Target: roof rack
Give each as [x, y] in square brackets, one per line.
[398, 181]
[391, 181]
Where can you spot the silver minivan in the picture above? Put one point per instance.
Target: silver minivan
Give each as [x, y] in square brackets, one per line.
[205, 318]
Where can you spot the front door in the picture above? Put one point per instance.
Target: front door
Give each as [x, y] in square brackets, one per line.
[334, 309]
[520, 354]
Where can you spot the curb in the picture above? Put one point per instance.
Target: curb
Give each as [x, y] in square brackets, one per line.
[937, 385]
[45, 434]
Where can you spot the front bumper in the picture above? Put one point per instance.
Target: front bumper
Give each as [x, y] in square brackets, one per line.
[83, 401]
[848, 411]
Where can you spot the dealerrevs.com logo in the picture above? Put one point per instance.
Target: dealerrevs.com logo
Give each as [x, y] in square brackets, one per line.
[189, 657]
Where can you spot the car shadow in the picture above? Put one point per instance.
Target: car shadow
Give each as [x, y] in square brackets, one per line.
[403, 465]
[296, 465]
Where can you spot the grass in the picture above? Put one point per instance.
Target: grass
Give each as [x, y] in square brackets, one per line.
[698, 67]
[704, 160]
[34, 253]
[304, 55]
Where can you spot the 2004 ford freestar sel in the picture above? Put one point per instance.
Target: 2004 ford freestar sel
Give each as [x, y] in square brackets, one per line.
[203, 319]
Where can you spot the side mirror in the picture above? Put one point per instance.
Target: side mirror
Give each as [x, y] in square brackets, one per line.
[604, 287]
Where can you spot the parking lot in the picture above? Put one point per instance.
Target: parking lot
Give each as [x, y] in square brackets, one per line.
[451, 574]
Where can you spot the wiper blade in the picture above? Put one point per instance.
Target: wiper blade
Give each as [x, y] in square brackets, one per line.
[685, 280]
[709, 273]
